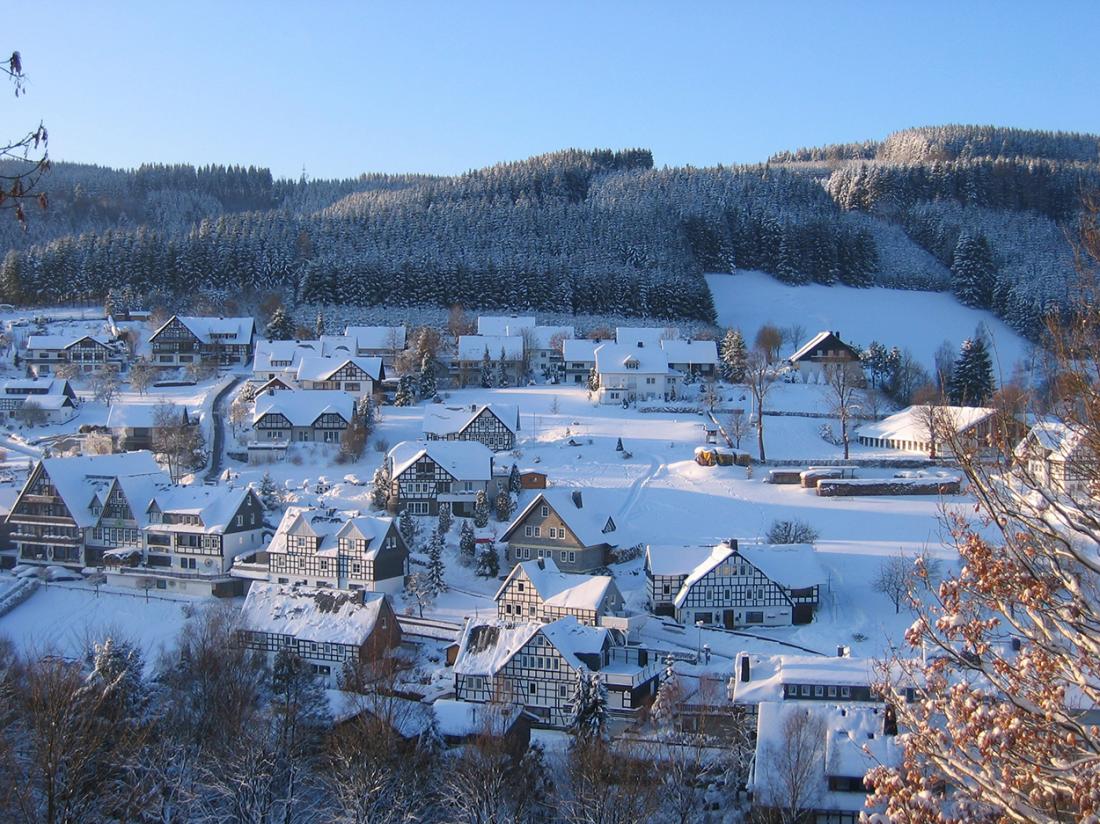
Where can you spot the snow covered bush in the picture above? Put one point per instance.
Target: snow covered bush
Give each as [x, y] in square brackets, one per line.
[791, 531]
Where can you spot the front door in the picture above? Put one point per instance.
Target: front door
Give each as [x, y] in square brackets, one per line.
[728, 619]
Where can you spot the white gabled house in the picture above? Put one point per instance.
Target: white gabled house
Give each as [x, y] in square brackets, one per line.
[358, 376]
[537, 665]
[545, 347]
[44, 353]
[648, 336]
[281, 418]
[579, 359]
[1060, 457]
[559, 524]
[331, 631]
[338, 549]
[822, 350]
[929, 429]
[185, 340]
[280, 358]
[698, 358]
[494, 424]
[538, 591]
[735, 585]
[53, 396]
[634, 373]
[504, 324]
[424, 474]
[377, 341]
[467, 363]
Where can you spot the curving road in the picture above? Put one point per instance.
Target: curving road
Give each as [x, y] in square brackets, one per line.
[217, 445]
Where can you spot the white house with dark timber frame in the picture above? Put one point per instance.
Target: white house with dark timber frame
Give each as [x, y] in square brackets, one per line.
[536, 665]
[424, 474]
[736, 585]
[88, 353]
[494, 424]
[537, 590]
[338, 549]
[183, 341]
[822, 350]
[357, 376]
[561, 524]
[281, 418]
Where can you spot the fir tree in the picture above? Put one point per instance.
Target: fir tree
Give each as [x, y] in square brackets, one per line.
[445, 519]
[502, 369]
[488, 561]
[486, 370]
[467, 543]
[436, 580]
[117, 670]
[380, 486]
[319, 325]
[406, 392]
[972, 380]
[281, 327]
[367, 413]
[504, 505]
[619, 445]
[593, 380]
[427, 377]
[590, 707]
[481, 510]
[269, 493]
[515, 484]
[734, 356]
[974, 271]
[409, 528]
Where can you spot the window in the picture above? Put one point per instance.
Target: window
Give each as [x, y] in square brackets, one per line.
[538, 531]
[572, 557]
[533, 688]
[832, 692]
[561, 691]
[562, 555]
[519, 586]
[792, 689]
[545, 510]
[756, 617]
[845, 692]
[806, 690]
[240, 520]
[528, 531]
[819, 691]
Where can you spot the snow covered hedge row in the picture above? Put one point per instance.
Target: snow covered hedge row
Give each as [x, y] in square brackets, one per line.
[888, 486]
[19, 593]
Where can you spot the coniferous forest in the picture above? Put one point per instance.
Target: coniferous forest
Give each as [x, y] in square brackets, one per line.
[981, 211]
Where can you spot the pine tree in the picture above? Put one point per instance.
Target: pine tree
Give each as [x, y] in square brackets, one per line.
[619, 445]
[409, 528]
[427, 377]
[445, 519]
[406, 392]
[367, 413]
[269, 493]
[467, 543]
[972, 380]
[734, 356]
[593, 380]
[436, 580]
[590, 707]
[319, 325]
[504, 505]
[380, 486]
[974, 271]
[486, 370]
[488, 561]
[502, 369]
[481, 510]
[117, 669]
[281, 327]
[515, 484]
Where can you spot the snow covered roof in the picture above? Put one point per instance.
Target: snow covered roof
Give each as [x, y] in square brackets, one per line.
[810, 347]
[230, 331]
[485, 648]
[542, 336]
[911, 423]
[854, 742]
[464, 460]
[303, 408]
[50, 402]
[215, 506]
[305, 520]
[1056, 440]
[793, 566]
[289, 352]
[370, 528]
[501, 324]
[580, 350]
[62, 341]
[322, 368]
[38, 386]
[318, 615]
[472, 347]
[337, 346]
[769, 674]
[78, 479]
[675, 560]
[142, 415]
[561, 589]
[614, 357]
[444, 420]
[691, 351]
[138, 491]
[462, 719]
[587, 522]
[651, 336]
[377, 337]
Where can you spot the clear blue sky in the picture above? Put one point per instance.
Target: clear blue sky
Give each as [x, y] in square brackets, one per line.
[442, 87]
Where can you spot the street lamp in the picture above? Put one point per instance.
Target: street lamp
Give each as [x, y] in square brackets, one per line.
[699, 641]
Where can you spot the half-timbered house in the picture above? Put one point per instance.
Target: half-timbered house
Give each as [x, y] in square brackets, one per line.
[579, 359]
[698, 358]
[88, 353]
[492, 424]
[537, 590]
[183, 341]
[1060, 457]
[330, 630]
[736, 585]
[281, 418]
[425, 473]
[560, 524]
[471, 349]
[358, 377]
[823, 350]
[339, 549]
[537, 665]
[54, 397]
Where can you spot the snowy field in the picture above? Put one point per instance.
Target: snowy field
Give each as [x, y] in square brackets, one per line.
[917, 321]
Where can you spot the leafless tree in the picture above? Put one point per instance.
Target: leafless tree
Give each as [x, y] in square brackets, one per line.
[176, 440]
[607, 786]
[793, 764]
[759, 378]
[843, 385]
[31, 413]
[458, 323]
[894, 579]
[793, 335]
[932, 418]
[26, 156]
[142, 375]
[105, 383]
[738, 425]
[769, 340]
[67, 371]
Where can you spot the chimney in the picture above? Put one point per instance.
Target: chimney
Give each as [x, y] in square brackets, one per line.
[732, 543]
[578, 502]
[744, 668]
[641, 344]
[843, 651]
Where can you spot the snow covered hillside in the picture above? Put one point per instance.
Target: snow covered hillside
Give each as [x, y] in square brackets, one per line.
[917, 321]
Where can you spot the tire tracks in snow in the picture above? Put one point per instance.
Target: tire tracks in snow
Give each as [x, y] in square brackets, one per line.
[636, 488]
